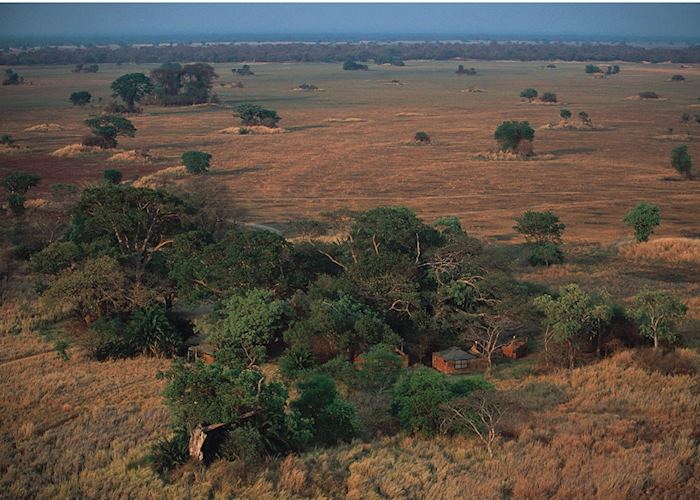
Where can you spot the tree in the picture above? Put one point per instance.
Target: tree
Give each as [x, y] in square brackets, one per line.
[112, 176]
[11, 78]
[570, 317]
[529, 93]
[135, 223]
[247, 323]
[252, 114]
[97, 289]
[15, 202]
[677, 78]
[20, 182]
[643, 218]
[422, 137]
[167, 79]
[351, 65]
[196, 162]
[486, 334]
[333, 418]
[150, 331]
[197, 80]
[549, 97]
[379, 369]
[592, 68]
[658, 315]
[132, 88]
[243, 70]
[106, 129]
[461, 70]
[55, 257]
[565, 113]
[80, 98]
[509, 134]
[681, 161]
[540, 227]
[585, 119]
[480, 413]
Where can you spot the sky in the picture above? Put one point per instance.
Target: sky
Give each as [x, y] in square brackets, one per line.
[672, 21]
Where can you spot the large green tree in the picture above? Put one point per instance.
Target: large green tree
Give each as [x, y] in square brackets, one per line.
[643, 218]
[510, 134]
[132, 88]
[658, 315]
[106, 129]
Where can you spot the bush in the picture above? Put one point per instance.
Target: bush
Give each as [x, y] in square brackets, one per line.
[643, 218]
[196, 162]
[525, 148]
[94, 141]
[20, 182]
[15, 202]
[80, 98]
[648, 95]
[592, 68]
[116, 108]
[167, 454]
[351, 65]
[546, 254]
[529, 94]
[549, 97]
[565, 113]
[243, 444]
[150, 331]
[416, 399]
[252, 114]
[295, 361]
[422, 137]
[461, 70]
[677, 78]
[681, 161]
[510, 133]
[56, 257]
[112, 176]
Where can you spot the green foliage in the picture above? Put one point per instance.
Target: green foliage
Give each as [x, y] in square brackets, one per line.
[246, 324]
[132, 88]
[572, 316]
[6, 140]
[681, 161]
[461, 70]
[11, 78]
[546, 254]
[196, 162]
[20, 182]
[380, 368]
[149, 331]
[242, 259]
[529, 94]
[252, 114]
[352, 65]
[295, 361]
[15, 202]
[509, 134]
[96, 289]
[418, 394]
[55, 257]
[549, 97]
[677, 78]
[112, 176]
[658, 315]
[592, 68]
[540, 227]
[333, 418]
[421, 137]
[167, 454]
[106, 129]
[177, 85]
[643, 218]
[244, 444]
[61, 346]
[565, 113]
[80, 98]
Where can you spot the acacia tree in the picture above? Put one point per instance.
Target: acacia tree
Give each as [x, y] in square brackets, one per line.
[565, 114]
[540, 227]
[487, 335]
[658, 315]
[643, 218]
[132, 88]
[529, 93]
[20, 182]
[571, 316]
[105, 130]
[252, 114]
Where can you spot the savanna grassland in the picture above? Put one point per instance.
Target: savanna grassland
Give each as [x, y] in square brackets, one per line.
[623, 427]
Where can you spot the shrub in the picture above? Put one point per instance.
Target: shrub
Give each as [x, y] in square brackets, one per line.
[565, 113]
[112, 176]
[681, 161]
[167, 454]
[20, 182]
[529, 94]
[546, 254]
[643, 218]
[379, 369]
[80, 98]
[510, 133]
[540, 227]
[295, 361]
[592, 68]
[422, 137]
[416, 399]
[677, 78]
[243, 444]
[549, 97]
[461, 70]
[149, 331]
[196, 162]
[648, 95]
[56, 257]
[583, 116]
[525, 148]
[15, 202]
[351, 65]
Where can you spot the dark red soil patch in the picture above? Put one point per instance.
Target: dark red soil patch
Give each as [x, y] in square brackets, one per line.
[80, 171]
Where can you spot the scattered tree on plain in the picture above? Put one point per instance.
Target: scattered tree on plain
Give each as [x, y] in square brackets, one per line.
[112, 176]
[510, 134]
[682, 162]
[643, 218]
[132, 88]
[196, 162]
[12, 78]
[252, 114]
[105, 130]
[529, 93]
[658, 315]
[422, 137]
[565, 114]
[352, 65]
[80, 98]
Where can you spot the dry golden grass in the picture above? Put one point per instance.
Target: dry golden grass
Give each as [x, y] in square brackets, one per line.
[44, 127]
[670, 250]
[73, 150]
[253, 130]
[132, 155]
[161, 178]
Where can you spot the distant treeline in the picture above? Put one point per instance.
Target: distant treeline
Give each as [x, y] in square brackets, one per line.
[339, 52]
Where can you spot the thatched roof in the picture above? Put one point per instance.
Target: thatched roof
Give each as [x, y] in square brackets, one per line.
[455, 354]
